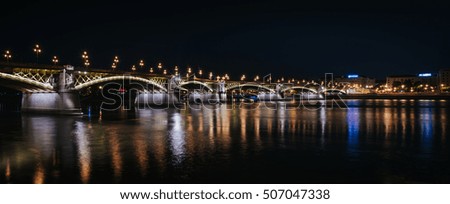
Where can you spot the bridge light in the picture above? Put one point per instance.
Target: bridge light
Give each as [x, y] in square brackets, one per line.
[115, 62]
[218, 78]
[160, 65]
[210, 75]
[200, 72]
[85, 57]
[37, 50]
[151, 69]
[189, 70]
[165, 72]
[7, 55]
[55, 60]
[141, 63]
[243, 77]
[133, 68]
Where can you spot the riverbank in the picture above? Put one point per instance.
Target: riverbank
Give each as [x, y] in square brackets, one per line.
[396, 96]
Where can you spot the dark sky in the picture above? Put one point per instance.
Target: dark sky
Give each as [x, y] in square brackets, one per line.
[289, 38]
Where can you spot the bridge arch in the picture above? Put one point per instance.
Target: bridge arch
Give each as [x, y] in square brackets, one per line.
[240, 86]
[23, 84]
[115, 78]
[185, 83]
[299, 87]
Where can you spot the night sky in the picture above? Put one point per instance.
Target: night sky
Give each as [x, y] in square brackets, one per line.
[298, 39]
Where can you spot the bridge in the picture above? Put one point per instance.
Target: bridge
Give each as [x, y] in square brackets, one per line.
[56, 89]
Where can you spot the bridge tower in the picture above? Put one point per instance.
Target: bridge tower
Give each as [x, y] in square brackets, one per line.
[61, 100]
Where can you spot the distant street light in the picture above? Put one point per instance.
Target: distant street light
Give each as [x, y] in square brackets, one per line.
[37, 50]
[151, 70]
[133, 68]
[114, 66]
[55, 60]
[243, 77]
[210, 75]
[165, 72]
[7, 55]
[200, 73]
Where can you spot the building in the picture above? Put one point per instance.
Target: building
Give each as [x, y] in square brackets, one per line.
[444, 80]
[355, 80]
[354, 83]
[410, 83]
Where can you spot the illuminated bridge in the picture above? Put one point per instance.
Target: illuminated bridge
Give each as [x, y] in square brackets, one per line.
[48, 88]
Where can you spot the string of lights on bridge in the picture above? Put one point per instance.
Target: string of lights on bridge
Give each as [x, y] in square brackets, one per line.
[159, 68]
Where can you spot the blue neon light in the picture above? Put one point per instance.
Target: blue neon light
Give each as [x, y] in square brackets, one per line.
[425, 75]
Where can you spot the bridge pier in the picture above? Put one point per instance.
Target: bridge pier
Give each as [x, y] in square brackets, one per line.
[62, 100]
[63, 103]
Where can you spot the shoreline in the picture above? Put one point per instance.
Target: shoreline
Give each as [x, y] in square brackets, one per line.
[396, 96]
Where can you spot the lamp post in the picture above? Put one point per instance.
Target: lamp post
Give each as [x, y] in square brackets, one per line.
[160, 66]
[115, 62]
[37, 50]
[243, 77]
[151, 70]
[55, 60]
[133, 68]
[87, 63]
[7, 55]
[210, 76]
[189, 70]
[85, 58]
[141, 63]
[176, 70]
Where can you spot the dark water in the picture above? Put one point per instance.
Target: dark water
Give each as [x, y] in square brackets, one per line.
[373, 141]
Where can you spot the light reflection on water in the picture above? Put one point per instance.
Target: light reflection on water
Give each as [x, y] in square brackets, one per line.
[373, 141]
